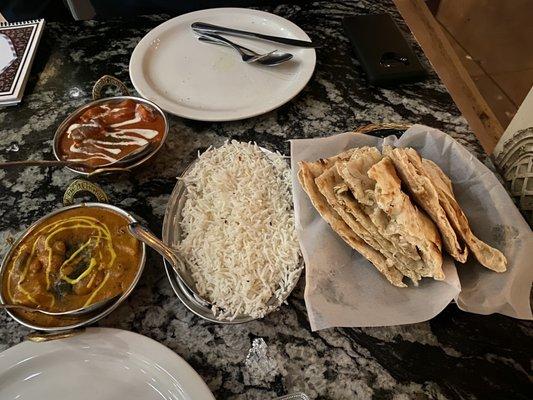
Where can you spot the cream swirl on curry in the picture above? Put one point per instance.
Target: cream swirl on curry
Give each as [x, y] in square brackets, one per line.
[107, 132]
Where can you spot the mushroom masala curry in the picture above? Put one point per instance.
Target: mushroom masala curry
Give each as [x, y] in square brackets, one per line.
[73, 259]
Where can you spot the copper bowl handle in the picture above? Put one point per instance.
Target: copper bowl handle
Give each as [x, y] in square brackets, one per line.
[39, 337]
[108, 80]
[82, 186]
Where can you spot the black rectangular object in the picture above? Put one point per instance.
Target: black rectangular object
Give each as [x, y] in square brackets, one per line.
[382, 50]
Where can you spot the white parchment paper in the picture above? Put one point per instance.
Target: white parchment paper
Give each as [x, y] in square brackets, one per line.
[344, 290]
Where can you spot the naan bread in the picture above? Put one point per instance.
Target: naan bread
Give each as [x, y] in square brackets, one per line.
[326, 184]
[359, 193]
[488, 256]
[385, 246]
[411, 222]
[425, 194]
[306, 175]
[355, 175]
[425, 170]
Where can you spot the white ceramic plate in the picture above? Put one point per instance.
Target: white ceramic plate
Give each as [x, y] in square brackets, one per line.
[207, 82]
[101, 363]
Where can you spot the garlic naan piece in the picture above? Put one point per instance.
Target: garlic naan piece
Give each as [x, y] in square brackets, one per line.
[307, 174]
[413, 223]
[454, 224]
[425, 194]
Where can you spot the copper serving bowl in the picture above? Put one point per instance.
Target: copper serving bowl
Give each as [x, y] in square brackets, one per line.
[76, 187]
[97, 100]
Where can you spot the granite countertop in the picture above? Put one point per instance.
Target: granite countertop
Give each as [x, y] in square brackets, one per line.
[454, 356]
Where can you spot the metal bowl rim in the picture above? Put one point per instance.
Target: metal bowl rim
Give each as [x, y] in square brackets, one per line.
[62, 127]
[106, 311]
[174, 283]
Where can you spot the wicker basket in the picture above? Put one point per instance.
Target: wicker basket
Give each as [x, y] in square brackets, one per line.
[382, 129]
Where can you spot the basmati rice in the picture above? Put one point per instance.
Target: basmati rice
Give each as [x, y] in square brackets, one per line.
[238, 229]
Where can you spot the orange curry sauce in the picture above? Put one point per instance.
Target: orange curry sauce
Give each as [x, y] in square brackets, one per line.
[107, 132]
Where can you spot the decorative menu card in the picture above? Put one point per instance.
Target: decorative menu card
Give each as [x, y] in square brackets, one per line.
[18, 45]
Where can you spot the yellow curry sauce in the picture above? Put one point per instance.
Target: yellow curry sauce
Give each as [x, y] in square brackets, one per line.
[73, 259]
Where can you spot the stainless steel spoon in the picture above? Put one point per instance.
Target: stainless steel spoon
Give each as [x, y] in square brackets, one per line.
[70, 313]
[247, 55]
[271, 59]
[178, 263]
[132, 156]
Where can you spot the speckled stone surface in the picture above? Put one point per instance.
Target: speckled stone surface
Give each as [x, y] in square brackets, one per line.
[454, 356]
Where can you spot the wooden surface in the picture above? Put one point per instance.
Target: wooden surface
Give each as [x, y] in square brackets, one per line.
[494, 41]
[452, 72]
